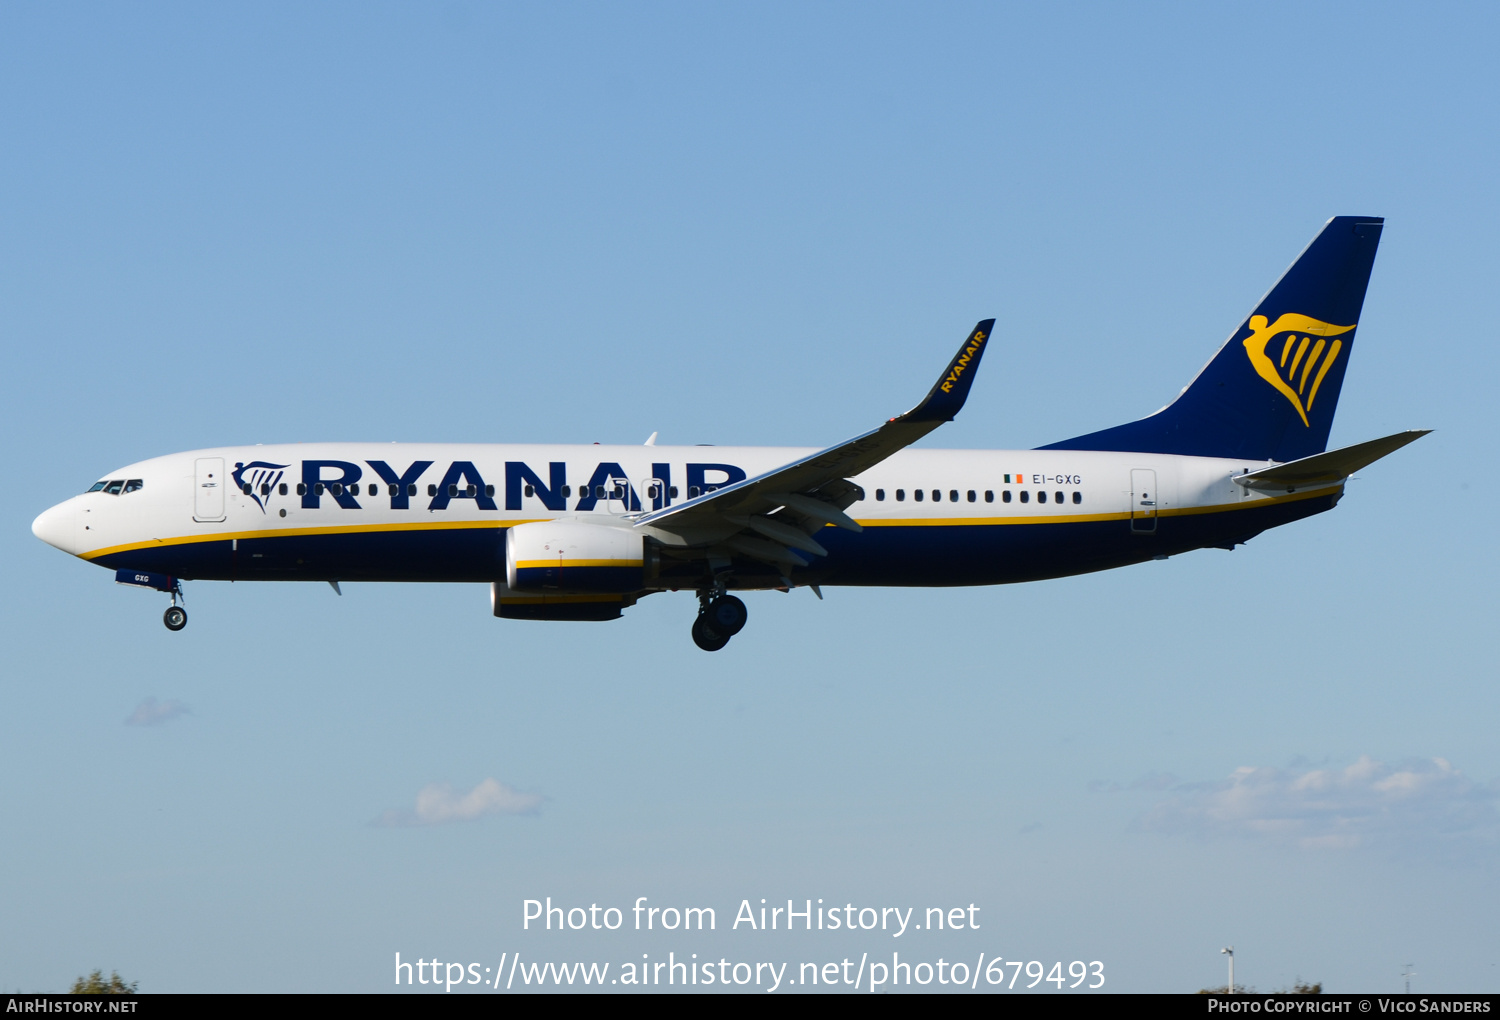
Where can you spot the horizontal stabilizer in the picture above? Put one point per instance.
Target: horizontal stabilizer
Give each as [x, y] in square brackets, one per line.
[1325, 468]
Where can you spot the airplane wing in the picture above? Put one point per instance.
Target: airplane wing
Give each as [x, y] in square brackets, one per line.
[1325, 468]
[773, 516]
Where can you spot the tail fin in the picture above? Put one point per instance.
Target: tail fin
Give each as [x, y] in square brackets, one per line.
[1270, 392]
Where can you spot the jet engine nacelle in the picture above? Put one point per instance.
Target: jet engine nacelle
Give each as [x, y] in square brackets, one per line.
[574, 556]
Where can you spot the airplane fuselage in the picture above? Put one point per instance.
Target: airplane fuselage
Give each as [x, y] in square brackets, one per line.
[440, 512]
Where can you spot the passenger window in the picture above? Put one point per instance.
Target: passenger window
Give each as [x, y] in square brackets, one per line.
[470, 491]
[1041, 497]
[567, 490]
[431, 489]
[489, 490]
[859, 493]
[301, 489]
[411, 489]
[937, 495]
[651, 492]
[245, 488]
[1025, 496]
[1057, 496]
[394, 489]
[98, 487]
[879, 495]
[989, 495]
[114, 487]
[318, 489]
[692, 491]
[282, 488]
[900, 495]
[530, 492]
[972, 497]
[373, 489]
[134, 484]
[672, 492]
[452, 490]
[1078, 497]
[918, 495]
[1005, 496]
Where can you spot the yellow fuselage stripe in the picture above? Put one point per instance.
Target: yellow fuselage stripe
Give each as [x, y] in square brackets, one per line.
[548, 564]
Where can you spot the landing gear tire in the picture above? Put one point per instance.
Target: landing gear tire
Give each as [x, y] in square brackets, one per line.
[727, 615]
[175, 618]
[706, 637]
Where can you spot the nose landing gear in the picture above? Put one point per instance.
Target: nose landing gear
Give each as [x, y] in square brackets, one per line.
[175, 617]
[720, 617]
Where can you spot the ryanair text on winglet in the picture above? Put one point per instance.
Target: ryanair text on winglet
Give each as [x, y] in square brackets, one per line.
[962, 361]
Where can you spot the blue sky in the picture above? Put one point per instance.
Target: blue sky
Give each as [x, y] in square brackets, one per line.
[763, 224]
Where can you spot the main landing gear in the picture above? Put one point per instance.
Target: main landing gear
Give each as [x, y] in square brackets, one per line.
[720, 617]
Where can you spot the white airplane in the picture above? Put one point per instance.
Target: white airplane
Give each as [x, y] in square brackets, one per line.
[583, 532]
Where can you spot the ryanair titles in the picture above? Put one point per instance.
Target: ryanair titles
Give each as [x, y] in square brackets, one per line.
[352, 485]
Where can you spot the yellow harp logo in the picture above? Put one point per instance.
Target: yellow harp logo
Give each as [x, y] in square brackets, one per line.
[1301, 332]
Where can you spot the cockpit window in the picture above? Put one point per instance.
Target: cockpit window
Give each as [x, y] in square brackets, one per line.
[114, 487]
[97, 486]
[134, 485]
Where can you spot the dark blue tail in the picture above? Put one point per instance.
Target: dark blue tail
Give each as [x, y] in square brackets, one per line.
[1270, 392]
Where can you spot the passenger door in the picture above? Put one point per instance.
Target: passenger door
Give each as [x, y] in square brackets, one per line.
[1144, 498]
[208, 489]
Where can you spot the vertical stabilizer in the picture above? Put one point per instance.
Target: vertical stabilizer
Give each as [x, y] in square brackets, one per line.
[1270, 392]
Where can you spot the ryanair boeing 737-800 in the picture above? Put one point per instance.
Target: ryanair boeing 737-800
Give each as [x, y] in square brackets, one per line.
[583, 532]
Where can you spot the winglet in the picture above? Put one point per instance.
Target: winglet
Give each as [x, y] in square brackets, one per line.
[952, 389]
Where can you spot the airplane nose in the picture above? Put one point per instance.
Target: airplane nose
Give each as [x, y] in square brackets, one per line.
[56, 526]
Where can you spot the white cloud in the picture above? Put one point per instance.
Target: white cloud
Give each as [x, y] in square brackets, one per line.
[153, 713]
[1423, 802]
[439, 803]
